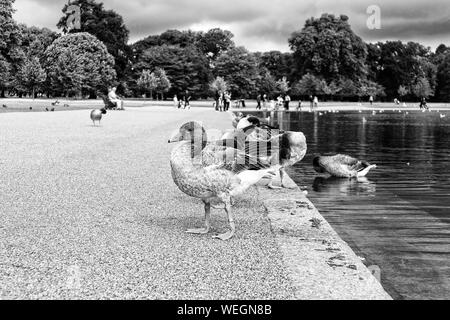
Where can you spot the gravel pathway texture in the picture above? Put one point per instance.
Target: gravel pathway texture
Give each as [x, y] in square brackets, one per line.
[92, 213]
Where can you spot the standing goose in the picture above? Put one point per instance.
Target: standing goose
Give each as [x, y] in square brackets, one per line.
[212, 173]
[342, 166]
[97, 115]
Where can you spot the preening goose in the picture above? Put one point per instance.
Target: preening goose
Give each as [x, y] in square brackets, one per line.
[342, 166]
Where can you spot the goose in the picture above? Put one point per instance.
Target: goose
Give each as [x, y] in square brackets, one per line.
[342, 166]
[212, 173]
[286, 148]
[97, 115]
[442, 116]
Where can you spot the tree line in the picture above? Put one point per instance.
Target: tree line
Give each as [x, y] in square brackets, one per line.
[327, 59]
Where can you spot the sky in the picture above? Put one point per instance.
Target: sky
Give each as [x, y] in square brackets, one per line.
[264, 25]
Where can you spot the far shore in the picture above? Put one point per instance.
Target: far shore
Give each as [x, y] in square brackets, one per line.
[42, 105]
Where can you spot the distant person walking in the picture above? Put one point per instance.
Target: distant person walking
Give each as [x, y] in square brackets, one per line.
[187, 100]
[371, 100]
[176, 103]
[217, 99]
[264, 101]
[227, 101]
[287, 102]
[423, 104]
[316, 102]
[258, 102]
[311, 101]
[300, 104]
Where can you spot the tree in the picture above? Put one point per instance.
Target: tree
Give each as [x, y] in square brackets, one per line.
[283, 85]
[105, 25]
[31, 76]
[163, 83]
[219, 84]
[79, 64]
[443, 78]
[148, 82]
[309, 85]
[422, 88]
[187, 68]
[328, 47]
[216, 41]
[266, 83]
[10, 38]
[239, 69]
[279, 64]
[402, 91]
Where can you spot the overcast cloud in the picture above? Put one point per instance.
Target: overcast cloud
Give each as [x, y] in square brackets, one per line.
[262, 25]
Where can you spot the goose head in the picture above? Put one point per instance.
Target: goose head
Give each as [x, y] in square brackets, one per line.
[317, 167]
[194, 133]
[103, 110]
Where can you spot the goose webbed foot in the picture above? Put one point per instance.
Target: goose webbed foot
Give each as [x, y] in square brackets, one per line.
[200, 231]
[207, 227]
[230, 234]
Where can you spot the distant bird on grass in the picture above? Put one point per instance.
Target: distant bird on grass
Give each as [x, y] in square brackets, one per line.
[31, 108]
[442, 116]
[55, 103]
[97, 115]
[46, 109]
[5, 106]
[342, 166]
[66, 105]
[52, 109]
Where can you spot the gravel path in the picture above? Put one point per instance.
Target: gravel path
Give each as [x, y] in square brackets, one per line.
[92, 213]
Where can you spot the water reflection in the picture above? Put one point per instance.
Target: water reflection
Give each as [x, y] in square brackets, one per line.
[399, 218]
[336, 187]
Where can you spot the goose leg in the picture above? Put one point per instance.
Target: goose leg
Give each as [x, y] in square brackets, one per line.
[207, 222]
[230, 234]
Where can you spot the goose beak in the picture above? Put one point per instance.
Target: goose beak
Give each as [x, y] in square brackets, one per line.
[177, 137]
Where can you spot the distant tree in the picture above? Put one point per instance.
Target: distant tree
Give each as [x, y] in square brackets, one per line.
[216, 41]
[148, 82]
[443, 78]
[187, 68]
[328, 47]
[239, 68]
[279, 64]
[266, 83]
[422, 88]
[105, 25]
[283, 85]
[79, 64]
[31, 76]
[163, 82]
[10, 53]
[309, 85]
[219, 84]
[369, 88]
[402, 91]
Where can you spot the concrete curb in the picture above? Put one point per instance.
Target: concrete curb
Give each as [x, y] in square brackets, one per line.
[321, 265]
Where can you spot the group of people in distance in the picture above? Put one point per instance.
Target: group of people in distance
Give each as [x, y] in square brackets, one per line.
[184, 102]
[283, 101]
[222, 101]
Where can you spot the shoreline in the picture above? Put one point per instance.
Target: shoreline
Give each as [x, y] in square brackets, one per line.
[322, 266]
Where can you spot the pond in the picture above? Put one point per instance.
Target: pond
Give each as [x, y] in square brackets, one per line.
[398, 218]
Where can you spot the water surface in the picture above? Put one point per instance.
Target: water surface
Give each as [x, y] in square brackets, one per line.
[399, 217]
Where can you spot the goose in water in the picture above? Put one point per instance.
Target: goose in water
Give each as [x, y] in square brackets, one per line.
[342, 166]
[213, 172]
